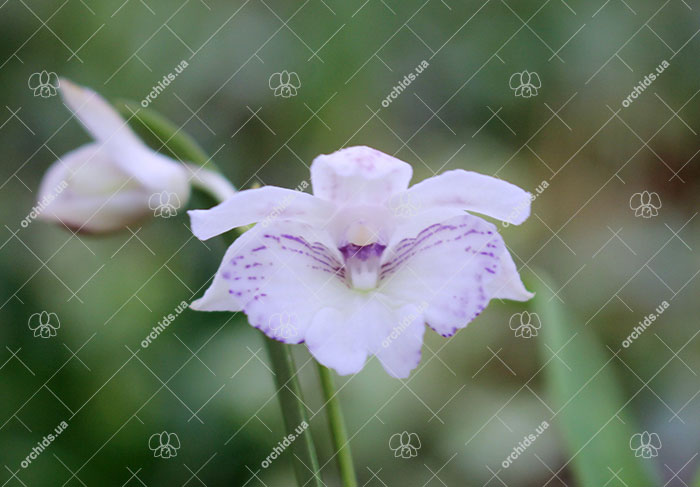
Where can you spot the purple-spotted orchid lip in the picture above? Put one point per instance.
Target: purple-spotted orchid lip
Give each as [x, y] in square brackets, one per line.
[363, 264]
[360, 267]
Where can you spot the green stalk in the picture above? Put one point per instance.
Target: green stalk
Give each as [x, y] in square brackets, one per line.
[164, 136]
[294, 415]
[339, 432]
[306, 467]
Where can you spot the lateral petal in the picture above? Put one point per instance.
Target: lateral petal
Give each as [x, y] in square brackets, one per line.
[450, 267]
[153, 170]
[466, 190]
[266, 205]
[280, 276]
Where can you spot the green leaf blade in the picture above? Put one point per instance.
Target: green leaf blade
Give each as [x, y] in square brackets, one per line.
[590, 408]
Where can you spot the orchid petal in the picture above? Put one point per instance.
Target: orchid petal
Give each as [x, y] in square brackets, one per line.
[343, 338]
[402, 340]
[154, 171]
[264, 205]
[337, 340]
[211, 181]
[358, 175]
[282, 270]
[449, 266]
[507, 284]
[465, 190]
[85, 190]
[96, 115]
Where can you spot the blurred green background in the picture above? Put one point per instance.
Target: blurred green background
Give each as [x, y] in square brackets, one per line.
[474, 396]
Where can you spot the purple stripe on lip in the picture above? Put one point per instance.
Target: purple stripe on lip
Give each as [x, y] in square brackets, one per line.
[362, 252]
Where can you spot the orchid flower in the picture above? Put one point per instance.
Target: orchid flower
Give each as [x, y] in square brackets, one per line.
[105, 185]
[362, 265]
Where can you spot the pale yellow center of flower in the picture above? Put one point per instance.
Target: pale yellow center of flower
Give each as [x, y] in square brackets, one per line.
[360, 234]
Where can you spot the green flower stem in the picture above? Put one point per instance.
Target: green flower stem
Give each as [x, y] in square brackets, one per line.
[339, 432]
[306, 467]
[164, 136]
[294, 415]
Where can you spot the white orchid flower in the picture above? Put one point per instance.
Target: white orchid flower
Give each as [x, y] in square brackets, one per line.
[360, 273]
[105, 185]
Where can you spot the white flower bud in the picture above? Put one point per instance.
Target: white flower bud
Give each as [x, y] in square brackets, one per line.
[105, 185]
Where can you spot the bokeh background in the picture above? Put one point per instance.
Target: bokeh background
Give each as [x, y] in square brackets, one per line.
[475, 395]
